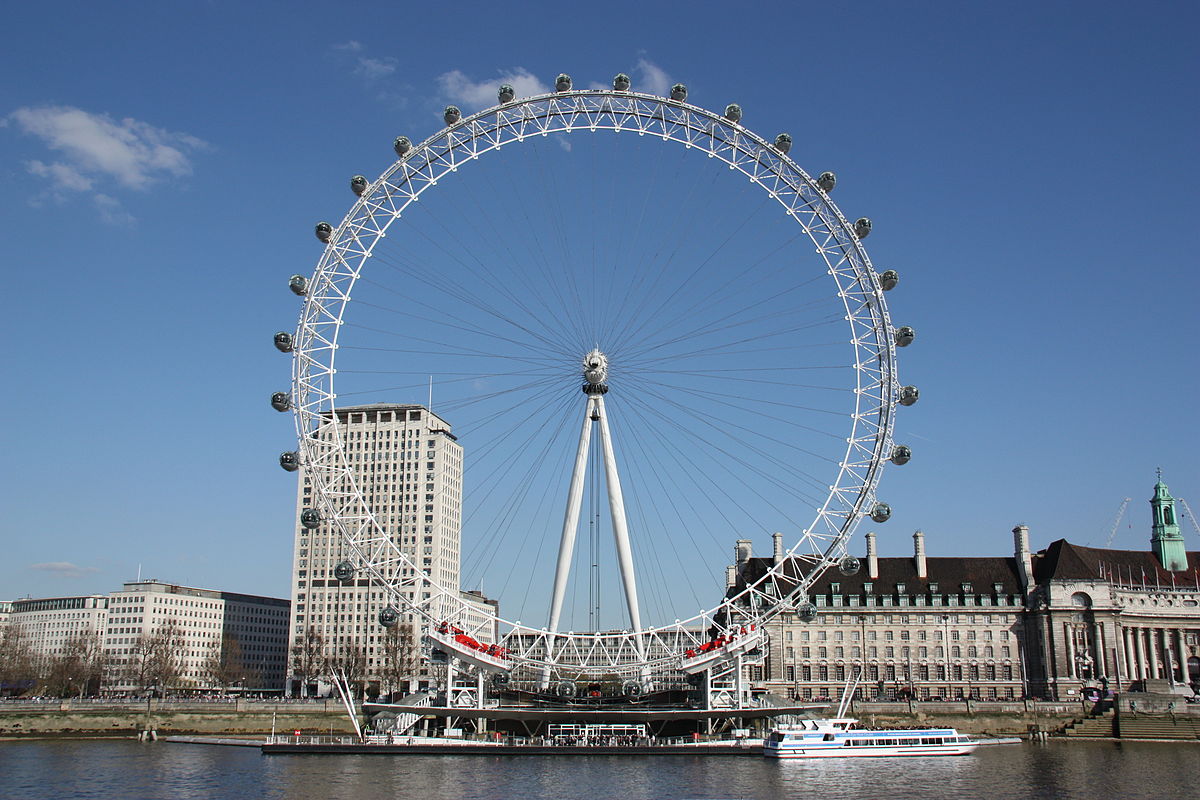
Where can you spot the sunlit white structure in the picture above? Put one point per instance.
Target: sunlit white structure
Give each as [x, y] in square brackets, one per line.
[648, 650]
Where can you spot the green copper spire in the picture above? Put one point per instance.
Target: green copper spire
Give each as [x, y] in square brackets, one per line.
[1166, 538]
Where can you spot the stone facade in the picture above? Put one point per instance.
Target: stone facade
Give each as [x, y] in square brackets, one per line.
[1052, 624]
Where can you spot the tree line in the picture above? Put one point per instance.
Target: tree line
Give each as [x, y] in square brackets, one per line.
[156, 662]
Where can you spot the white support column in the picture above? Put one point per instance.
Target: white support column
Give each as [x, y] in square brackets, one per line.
[1183, 658]
[616, 507]
[566, 545]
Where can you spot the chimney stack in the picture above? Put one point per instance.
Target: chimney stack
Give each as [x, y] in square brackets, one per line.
[742, 551]
[872, 557]
[919, 554]
[777, 540]
[730, 576]
[1024, 559]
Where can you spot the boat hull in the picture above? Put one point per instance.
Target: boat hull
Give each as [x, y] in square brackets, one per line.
[872, 751]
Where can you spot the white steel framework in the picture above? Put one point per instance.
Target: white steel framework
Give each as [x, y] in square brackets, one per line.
[655, 649]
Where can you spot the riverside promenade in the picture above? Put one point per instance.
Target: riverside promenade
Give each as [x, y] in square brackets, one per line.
[240, 717]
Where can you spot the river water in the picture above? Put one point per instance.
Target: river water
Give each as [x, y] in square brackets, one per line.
[97, 770]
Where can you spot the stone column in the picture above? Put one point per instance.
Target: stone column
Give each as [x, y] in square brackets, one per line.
[1069, 638]
[1126, 656]
[1151, 655]
[1139, 642]
[1099, 654]
[1183, 658]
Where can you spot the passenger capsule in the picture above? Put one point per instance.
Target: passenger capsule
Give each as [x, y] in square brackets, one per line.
[451, 115]
[566, 689]
[862, 227]
[881, 512]
[733, 112]
[679, 92]
[323, 230]
[358, 184]
[909, 395]
[783, 142]
[806, 612]
[631, 689]
[849, 565]
[506, 93]
[281, 401]
[402, 145]
[826, 181]
[562, 83]
[904, 336]
[388, 617]
[888, 279]
[901, 454]
[621, 82]
[344, 571]
[310, 518]
[298, 284]
[290, 460]
[283, 342]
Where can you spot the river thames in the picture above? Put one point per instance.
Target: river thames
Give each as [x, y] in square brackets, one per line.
[62, 770]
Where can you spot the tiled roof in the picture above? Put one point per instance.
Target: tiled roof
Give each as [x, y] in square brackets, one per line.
[948, 573]
[1065, 561]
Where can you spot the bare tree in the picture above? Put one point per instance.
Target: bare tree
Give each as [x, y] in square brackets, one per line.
[350, 659]
[308, 657]
[225, 665]
[399, 657]
[156, 660]
[78, 669]
[18, 667]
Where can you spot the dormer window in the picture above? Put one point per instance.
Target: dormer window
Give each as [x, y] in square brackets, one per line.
[835, 588]
[966, 587]
[868, 587]
[933, 587]
[901, 587]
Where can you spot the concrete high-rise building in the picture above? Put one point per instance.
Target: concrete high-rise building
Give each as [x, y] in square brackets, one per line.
[48, 625]
[201, 621]
[409, 467]
[180, 626]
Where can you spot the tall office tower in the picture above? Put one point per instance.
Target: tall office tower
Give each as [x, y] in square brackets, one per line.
[409, 467]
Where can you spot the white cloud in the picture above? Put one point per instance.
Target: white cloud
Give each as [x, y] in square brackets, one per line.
[95, 150]
[373, 68]
[111, 210]
[651, 78]
[64, 569]
[349, 47]
[63, 175]
[131, 152]
[473, 95]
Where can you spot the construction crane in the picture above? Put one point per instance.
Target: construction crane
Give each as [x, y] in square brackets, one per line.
[1191, 517]
[1116, 522]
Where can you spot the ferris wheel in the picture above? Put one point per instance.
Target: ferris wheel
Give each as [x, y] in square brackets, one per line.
[671, 338]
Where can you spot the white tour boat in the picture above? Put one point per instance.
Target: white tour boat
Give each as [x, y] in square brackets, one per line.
[838, 738]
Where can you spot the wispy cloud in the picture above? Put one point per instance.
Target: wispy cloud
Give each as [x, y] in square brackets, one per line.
[370, 68]
[651, 78]
[95, 149]
[64, 569]
[374, 68]
[473, 95]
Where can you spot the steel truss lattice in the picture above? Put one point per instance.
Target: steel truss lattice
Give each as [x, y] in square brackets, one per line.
[350, 247]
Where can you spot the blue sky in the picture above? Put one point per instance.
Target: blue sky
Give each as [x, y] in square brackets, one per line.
[1031, 170]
